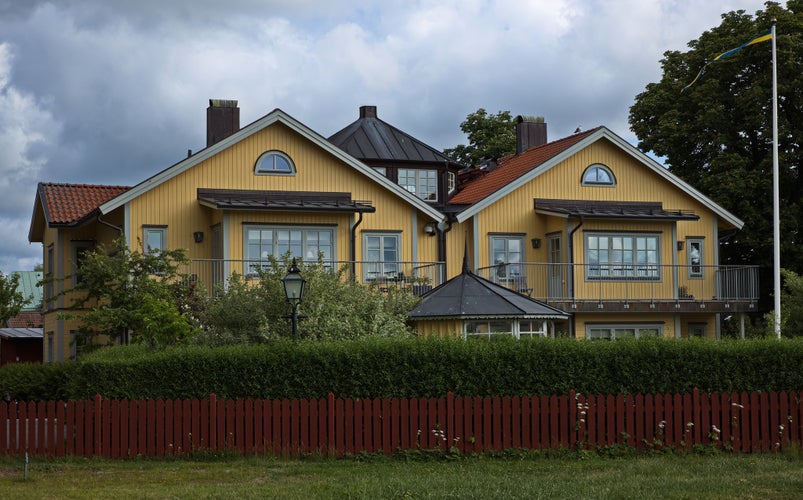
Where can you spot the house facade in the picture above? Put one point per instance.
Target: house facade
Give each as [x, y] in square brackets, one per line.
[592, 226]
[587, 224]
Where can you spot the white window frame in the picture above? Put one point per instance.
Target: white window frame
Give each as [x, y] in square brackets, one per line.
[381, 170]
[507, 259]
[303, 246]
[157, 230]
[627, 256]
[695, 247]
[612, 331]
[490, 329]
[451, 181]
[274, 162]
[421, 182]
[376, 267]
[592, 177]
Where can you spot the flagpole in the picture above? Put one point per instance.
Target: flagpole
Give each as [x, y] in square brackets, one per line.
[776, 224]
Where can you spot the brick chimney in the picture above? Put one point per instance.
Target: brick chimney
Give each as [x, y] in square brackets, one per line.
[222, 120]
[367, 111]
[530, 132]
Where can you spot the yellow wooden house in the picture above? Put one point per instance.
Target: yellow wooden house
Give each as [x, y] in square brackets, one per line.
[587, 224]
[591, 225]
[272, 187]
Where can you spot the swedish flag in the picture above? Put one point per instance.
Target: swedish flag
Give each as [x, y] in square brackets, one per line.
[764, 37]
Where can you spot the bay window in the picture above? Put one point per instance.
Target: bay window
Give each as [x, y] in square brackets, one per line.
[610, 256]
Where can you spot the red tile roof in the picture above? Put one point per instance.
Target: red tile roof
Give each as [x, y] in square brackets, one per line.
[69, 203]
[27, 319]
[512, 167]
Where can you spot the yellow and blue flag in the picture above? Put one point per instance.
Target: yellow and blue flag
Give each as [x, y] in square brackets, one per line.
[763, 37]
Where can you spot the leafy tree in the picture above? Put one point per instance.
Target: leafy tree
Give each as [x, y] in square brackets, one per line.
[133, 296]
[717, 135]
[489, 136]
[335, 306]
[791, 306]
[11, 299]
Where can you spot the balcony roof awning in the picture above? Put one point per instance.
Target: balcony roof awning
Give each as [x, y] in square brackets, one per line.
[293, 201]
[633, 210]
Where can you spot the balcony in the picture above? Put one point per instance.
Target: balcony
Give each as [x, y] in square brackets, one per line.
[639, 288]
[420, 277]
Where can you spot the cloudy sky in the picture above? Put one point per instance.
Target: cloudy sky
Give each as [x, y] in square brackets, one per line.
[113, 91]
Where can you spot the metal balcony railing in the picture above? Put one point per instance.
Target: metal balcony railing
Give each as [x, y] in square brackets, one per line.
[419, 276]
[621, 282]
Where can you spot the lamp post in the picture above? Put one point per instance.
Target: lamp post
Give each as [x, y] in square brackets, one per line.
[294, 291]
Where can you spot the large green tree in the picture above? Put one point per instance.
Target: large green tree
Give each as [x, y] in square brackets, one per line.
[489, 136]
[11, 299]
[717, 135]
[133, 296]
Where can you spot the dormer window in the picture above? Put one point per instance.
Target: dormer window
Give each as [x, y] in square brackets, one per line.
[274, 163]
[598, 175]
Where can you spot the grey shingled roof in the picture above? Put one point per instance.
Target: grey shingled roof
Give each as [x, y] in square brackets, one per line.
[281, 200]
[611, 210]
[370, 138]
[468, 296]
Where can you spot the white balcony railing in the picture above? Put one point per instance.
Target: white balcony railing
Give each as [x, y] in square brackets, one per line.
[420, 276]
[652, 282]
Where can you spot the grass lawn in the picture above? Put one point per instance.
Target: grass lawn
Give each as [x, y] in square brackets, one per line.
[763, 476]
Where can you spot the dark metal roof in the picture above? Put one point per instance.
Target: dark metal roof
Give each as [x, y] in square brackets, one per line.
[282, 200]
[469, 296]
[611, 210]
[369, 138]
[21, 333]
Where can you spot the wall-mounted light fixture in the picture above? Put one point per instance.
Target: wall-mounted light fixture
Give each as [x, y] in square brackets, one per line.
[680, 245]
[430, 229]
[536, 242]
[198, 236]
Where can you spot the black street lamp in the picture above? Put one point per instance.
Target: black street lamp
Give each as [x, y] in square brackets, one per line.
[294, 291]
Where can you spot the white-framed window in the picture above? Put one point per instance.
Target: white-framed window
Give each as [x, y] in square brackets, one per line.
[154, 238]
[507, 252]
[381, 170]
[422, 183]
[381, 253]
[451, 182]
[303, 243]
[492, 329]
[598, 175]
[610, 256]
[622, 331]
[694, 257]
[274, 163]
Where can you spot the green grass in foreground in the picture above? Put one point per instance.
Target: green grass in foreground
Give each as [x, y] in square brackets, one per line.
[763, 476]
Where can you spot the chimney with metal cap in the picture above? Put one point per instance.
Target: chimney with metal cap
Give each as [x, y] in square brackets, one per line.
[530, 132]
[222, 120]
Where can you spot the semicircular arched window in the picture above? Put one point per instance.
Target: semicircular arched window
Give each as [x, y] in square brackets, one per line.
[274, 163]
[598, 175]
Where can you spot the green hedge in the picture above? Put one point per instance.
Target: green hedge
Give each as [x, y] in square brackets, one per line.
[427, 367]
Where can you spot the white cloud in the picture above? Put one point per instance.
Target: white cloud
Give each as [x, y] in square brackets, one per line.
[113, 92]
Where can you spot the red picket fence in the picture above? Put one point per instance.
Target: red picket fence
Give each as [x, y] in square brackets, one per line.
[120, 429]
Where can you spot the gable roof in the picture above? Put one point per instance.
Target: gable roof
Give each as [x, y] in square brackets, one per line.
[512, 167]
[64, 205]
[515, 171]
[369, 138]
[468, 296]
[275, 116]
[26, 319]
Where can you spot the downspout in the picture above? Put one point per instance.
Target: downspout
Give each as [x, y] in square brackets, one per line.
[353, 249]
[571, 267]
[109, 224]
[443, 227]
